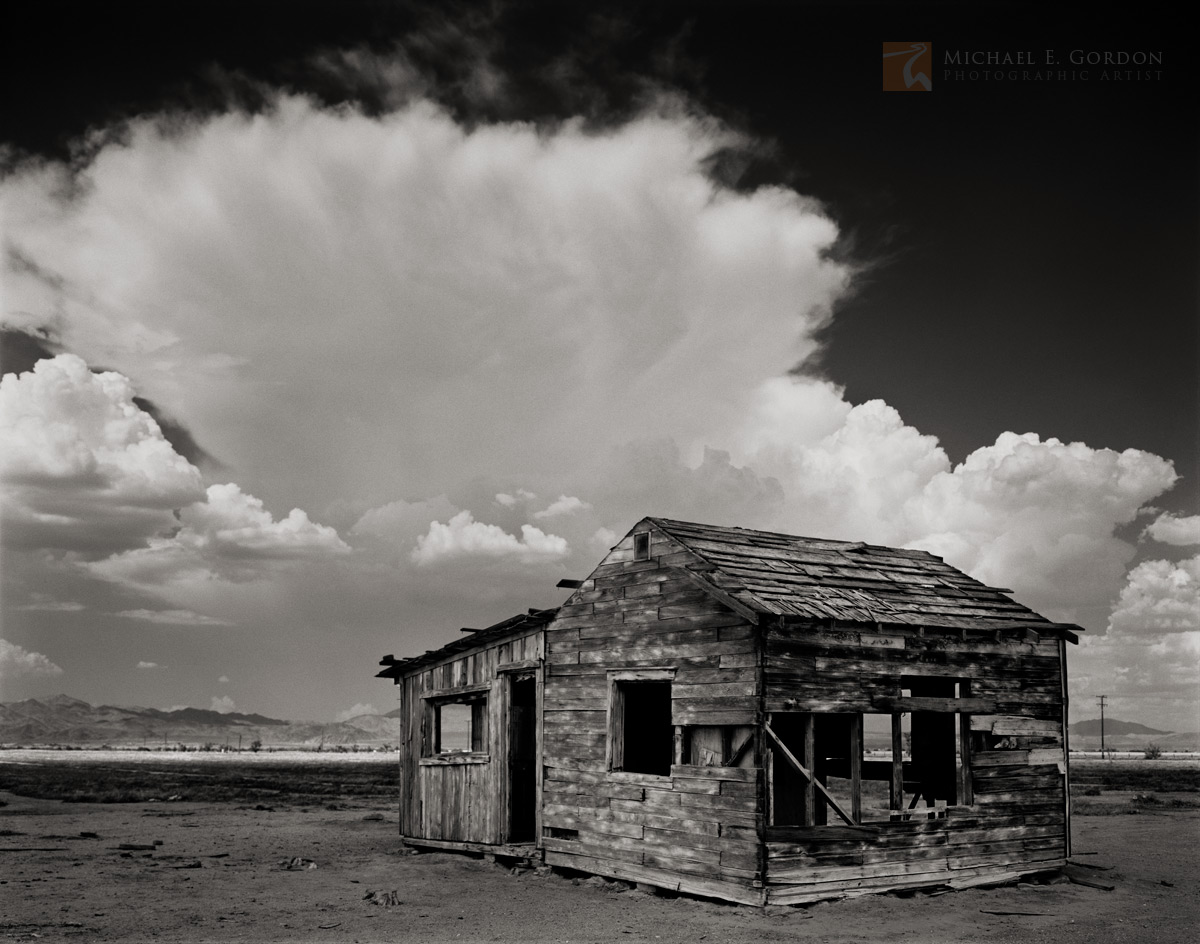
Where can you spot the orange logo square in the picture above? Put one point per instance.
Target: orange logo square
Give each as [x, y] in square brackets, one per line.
[907, 67]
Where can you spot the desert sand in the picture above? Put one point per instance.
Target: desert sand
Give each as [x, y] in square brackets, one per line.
[223, 872]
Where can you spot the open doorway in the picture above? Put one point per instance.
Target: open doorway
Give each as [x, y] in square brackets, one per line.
[522, 759]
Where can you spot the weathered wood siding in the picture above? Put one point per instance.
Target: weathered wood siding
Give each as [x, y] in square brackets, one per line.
[460, 802]
[1016, 820]
[697, 829]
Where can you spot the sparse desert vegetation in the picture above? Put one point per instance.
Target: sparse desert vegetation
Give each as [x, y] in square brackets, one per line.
[1130, 787]
[286, 777]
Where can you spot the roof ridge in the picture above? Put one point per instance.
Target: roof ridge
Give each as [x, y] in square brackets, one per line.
[668, 523]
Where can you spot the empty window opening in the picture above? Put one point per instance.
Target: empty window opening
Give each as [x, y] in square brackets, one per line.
[643, 738]
[827, 747]
[460, 727]
[935, 744]
[873, 767]
[886, 766]
[641, 546]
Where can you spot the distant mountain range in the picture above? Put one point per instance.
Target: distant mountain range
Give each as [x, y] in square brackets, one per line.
[1129, 736]
[71, 722]
[65, 721]
[1111, 727]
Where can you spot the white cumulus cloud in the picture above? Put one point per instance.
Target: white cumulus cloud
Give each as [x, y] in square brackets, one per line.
[563, 505]
[45, 605]
[173, 617]
[1159, 597]
[148, 665]
[228, 537]
[83, 467]
[508, 501]
[355, 711]
[402, 522]
[17, 662]
[1148, 659]
[1031, 514]
[463, 536]
[1180, 530]
[222, 703]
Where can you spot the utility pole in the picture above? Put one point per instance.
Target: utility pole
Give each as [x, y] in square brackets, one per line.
[1102, 699]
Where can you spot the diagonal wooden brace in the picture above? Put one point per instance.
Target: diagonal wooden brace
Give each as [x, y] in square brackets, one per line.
[791, 758]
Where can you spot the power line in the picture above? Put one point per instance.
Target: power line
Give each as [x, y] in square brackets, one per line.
[1102, 699]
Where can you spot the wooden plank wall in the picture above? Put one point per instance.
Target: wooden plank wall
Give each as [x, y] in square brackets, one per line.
[697, 829]
[460, 802]
[1017, 820]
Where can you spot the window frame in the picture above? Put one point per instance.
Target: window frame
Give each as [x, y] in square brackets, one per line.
[614, 758]
[475, 696]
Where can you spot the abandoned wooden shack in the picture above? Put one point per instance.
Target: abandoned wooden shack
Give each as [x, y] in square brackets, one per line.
[750, 716]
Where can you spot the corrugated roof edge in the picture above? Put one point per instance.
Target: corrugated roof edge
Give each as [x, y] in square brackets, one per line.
[394, 668]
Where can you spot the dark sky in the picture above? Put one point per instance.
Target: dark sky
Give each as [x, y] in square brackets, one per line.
[1030, 246]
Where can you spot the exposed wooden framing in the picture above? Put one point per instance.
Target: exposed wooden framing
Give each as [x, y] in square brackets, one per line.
[804, 772]
[524, 665]
[966, 793]
[810, 761]
[615, 722]
[448, 695]
[856, 746]
[1066, 747]
[510, 850]
[539, 750]
[897, 788]
[734, 757]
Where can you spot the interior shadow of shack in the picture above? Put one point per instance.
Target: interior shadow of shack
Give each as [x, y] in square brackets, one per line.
[751, 716]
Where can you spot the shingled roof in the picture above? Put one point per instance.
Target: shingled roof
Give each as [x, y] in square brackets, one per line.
[790, 576]
[764, 572]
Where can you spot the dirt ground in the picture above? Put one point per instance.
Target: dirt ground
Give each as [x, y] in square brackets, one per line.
[215, 872]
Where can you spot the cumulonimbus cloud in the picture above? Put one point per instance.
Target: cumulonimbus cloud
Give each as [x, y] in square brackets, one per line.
[432, 265]
[378, 308]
